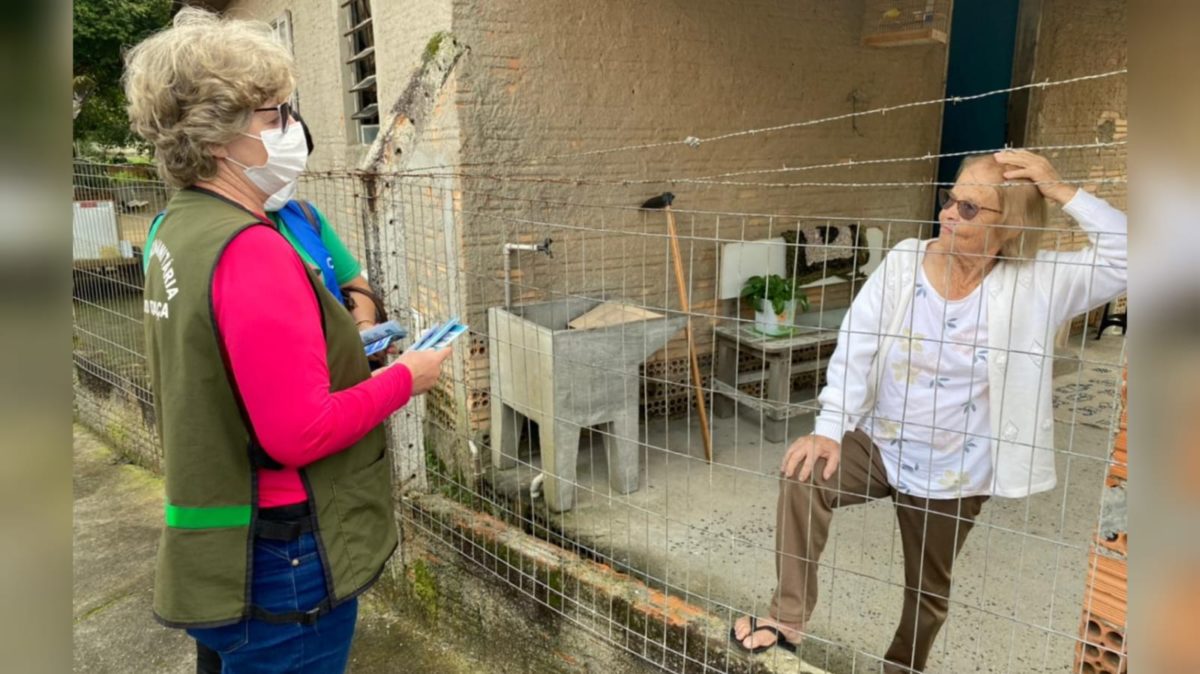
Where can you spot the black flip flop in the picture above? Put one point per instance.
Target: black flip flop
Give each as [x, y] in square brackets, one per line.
[780, 640]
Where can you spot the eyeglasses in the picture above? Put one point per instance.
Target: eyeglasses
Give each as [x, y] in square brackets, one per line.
[966, 209]
[285, 113]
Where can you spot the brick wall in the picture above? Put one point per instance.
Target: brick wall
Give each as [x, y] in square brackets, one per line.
[553, 77]
[402, 31]
[1082, 37]
[557, 77]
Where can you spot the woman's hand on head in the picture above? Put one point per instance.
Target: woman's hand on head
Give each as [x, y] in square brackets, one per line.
[1035, 167]
[425, 366]
[804, 454]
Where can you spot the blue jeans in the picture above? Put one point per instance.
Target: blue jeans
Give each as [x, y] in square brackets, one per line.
[288, 576]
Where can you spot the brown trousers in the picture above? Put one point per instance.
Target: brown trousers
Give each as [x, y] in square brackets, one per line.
[931, 531]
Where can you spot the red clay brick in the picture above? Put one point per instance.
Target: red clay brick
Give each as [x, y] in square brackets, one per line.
[1118, 472]
[1119, 545]
[1107, 594]
[1102, 650]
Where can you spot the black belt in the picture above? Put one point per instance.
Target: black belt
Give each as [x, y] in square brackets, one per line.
[287, 523]
[284, 523]
[309, 617]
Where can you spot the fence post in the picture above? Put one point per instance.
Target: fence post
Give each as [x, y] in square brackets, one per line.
[395, 226]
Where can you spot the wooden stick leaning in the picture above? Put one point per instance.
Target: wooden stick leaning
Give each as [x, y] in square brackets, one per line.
[701, 407]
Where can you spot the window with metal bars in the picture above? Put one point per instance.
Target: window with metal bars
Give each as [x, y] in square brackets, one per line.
[364, 98]
[282, 28]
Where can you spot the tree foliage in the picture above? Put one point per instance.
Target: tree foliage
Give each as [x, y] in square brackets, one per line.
[103, 30]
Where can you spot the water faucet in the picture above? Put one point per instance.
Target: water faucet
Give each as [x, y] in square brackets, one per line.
[509, 248]
[543, 247]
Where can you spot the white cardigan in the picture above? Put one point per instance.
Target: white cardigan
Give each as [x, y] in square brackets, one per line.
[1027, 301]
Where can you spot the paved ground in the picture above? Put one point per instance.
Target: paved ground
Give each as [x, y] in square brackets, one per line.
[118, 512]
[709, 530]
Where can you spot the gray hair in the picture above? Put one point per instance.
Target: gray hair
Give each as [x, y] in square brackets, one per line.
[194, 86]
[1022, 206]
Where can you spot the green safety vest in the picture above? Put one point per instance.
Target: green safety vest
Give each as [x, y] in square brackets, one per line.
[210, 453]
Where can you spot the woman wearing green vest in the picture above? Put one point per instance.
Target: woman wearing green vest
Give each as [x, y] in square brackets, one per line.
[278, 505]
[318, 244]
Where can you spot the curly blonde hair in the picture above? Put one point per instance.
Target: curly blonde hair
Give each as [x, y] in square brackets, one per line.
[194, 86]
[1022, 206]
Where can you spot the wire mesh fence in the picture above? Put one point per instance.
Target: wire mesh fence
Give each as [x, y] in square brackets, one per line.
[618, 396]
[704, 530]
[111, 215]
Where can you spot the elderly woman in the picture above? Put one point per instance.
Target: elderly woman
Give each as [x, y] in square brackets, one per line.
[939, 391]
[278, 485]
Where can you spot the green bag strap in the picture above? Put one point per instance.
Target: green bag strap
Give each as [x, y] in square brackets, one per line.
[154, 225]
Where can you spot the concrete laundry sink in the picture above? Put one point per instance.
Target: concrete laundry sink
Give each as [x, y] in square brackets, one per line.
[566, 380]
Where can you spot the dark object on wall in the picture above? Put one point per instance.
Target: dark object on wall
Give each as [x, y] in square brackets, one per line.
[817, 251]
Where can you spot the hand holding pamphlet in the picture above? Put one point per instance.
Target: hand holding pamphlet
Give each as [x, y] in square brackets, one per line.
[380, 337]
[439, 336]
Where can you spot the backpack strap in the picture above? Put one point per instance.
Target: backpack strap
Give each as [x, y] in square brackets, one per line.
[310, 241]
[310, 215]
[154, 225]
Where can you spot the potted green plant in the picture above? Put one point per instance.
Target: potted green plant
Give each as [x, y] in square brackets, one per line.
[775, 300]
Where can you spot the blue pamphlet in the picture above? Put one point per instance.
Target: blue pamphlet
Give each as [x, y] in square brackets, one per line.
[440, 336]
[389, 329]
[378, 345]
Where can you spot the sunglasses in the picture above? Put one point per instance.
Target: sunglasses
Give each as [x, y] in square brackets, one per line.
[286, 114]
[966, 209]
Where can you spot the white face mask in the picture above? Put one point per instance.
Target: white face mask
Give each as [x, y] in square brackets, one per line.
[287, 155]
[279, 199]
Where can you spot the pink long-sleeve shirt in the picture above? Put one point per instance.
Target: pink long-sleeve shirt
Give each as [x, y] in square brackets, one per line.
[270, 323]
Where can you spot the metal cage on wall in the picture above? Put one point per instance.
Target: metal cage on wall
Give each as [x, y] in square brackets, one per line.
[899, 23]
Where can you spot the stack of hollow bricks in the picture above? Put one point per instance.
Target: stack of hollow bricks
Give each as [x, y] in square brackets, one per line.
[668, 390]
[1102, 648]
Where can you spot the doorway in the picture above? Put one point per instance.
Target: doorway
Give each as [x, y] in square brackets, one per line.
[991, 47]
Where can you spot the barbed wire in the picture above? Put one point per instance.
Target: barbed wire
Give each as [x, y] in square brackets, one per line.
[713, 180]
[696, 142]
[548, 180]
[929, 156]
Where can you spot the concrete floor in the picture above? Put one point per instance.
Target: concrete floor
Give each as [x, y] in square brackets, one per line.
[117, 519]
[708, 532]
